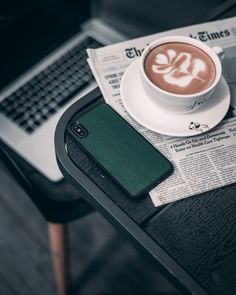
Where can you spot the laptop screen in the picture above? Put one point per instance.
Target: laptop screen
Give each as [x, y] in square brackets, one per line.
[30, 29]
[27, 34]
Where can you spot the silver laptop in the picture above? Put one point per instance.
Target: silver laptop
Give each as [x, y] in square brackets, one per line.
[31, 106]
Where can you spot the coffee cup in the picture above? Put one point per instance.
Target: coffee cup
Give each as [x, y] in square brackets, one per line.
[180, 73]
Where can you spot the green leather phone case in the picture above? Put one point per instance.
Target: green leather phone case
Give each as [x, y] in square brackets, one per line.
[125, 154]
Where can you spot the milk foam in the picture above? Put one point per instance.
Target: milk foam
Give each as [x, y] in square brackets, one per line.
[180, 68]
[189, 66]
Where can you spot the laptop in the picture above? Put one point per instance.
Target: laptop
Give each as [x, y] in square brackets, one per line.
[31, 105]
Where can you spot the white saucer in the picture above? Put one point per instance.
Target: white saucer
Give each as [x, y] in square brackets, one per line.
[153, 117]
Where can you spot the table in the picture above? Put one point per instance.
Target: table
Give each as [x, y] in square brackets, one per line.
[192, 241]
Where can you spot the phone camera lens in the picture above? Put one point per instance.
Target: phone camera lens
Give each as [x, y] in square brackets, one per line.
[79, 130]
[75, 127]
[81, 133]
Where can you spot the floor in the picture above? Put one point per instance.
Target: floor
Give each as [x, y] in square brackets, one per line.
[102, 262]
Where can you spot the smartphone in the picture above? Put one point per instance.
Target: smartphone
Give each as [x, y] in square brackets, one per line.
[122, 151]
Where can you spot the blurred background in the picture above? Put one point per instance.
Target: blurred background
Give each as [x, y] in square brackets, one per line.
[101, 260]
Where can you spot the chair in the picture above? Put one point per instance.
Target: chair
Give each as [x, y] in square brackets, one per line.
[42, 192]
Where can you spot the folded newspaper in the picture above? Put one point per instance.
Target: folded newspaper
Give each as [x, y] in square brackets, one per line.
[202, 162]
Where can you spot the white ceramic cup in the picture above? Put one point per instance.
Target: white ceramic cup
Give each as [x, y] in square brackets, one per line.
[181, 103]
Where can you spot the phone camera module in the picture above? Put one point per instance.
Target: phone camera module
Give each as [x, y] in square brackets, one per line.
[79, 130]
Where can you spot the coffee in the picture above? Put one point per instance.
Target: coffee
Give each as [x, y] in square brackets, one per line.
[180, 68]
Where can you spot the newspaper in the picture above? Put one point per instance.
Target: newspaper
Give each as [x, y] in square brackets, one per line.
[202, 162]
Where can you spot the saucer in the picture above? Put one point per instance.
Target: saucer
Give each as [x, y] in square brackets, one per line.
[147, 113]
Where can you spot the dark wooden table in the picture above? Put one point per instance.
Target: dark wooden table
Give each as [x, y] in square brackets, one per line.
[192, 241]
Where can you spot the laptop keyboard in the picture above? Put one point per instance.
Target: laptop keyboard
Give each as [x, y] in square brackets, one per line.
[35, 102]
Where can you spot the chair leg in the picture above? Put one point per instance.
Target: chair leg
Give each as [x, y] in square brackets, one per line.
[58, 245]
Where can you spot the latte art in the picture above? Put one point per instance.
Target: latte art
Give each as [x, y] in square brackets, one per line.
[173, 66]
[180, 68]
